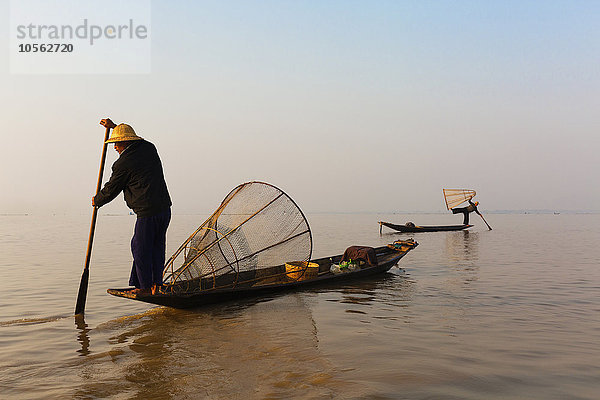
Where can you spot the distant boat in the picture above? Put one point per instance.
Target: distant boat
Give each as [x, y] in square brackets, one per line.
[410, 227]
[556, 213]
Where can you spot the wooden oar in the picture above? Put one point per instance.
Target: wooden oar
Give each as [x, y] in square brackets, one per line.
[488, 225]
[83, 285]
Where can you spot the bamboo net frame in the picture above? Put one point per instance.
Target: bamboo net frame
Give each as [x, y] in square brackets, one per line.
[455, 197]
[256, 229]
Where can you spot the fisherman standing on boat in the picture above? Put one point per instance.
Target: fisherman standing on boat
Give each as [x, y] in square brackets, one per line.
[466, 211]
[139, 175]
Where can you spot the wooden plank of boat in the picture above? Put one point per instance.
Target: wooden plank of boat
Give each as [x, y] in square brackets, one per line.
[417, 228]
[387, 257]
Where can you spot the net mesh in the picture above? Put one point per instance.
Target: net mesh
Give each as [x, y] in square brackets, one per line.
[256, 228]
[455, 197]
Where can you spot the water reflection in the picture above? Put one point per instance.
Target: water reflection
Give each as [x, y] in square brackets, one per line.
[462, 246]
[383, 297]
[257, 349]
[82, 336]
[454, 288]
[462, 253]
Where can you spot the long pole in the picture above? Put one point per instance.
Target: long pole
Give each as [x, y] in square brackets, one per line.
[83, 285]
[488, 225]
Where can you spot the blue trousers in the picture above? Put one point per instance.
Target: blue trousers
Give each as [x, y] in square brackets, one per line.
[148, 247]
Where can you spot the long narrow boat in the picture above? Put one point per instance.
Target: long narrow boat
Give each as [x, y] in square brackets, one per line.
[416, 228]
[210, 290]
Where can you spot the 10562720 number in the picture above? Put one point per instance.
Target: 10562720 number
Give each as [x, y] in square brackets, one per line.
[45, 48]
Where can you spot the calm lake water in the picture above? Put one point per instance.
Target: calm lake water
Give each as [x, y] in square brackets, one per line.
[502, 314]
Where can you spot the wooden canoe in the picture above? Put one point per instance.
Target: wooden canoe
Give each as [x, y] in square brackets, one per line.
[387, 257]
[417, 228]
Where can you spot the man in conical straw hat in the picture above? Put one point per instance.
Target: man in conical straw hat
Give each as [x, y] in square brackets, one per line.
[139, 175]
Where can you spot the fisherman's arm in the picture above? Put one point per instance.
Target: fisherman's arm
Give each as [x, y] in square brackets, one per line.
[112, 188]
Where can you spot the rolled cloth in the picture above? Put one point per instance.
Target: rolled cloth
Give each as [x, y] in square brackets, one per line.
[364, 253]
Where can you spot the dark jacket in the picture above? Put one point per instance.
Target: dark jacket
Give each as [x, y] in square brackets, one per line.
[472, 207]
[138, 173]
[468, 209]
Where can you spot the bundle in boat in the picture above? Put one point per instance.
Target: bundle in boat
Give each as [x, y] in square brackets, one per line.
[256, 230]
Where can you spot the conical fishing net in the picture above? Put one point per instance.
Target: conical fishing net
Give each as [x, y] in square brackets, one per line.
[249, 238]
[454, 197]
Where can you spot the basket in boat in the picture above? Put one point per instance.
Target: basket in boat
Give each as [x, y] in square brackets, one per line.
[301, 270]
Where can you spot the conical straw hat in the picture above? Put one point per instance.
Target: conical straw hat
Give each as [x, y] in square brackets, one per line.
[122, 133]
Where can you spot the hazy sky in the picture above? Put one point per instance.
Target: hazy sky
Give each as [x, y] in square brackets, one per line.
[345, 105]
